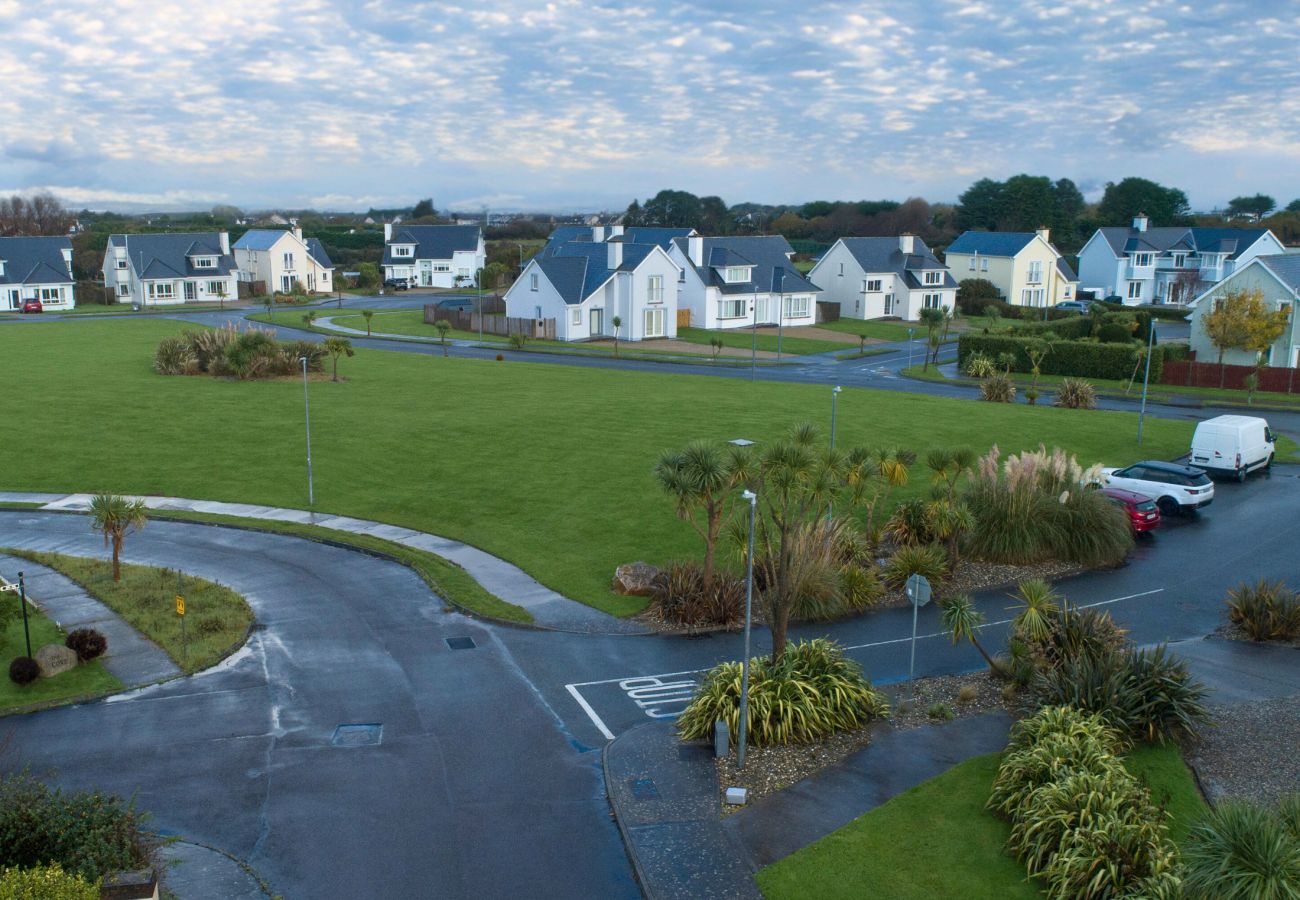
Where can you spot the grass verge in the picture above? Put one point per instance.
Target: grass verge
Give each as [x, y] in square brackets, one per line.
[216, 618]
[743, 339]
[84, 682]
[888, 331]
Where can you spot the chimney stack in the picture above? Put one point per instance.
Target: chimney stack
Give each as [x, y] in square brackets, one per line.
[907, 243]
[613, 254]
[1043, 233]
[695, 249]
[225, 243]
[297, 232]
[1140, 222]
[598, 233]
[615, 231]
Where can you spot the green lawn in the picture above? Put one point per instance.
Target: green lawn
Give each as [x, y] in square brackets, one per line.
[216, 618]
[86, 680]
[937, 840]
[743, 339]
[408, 322]
[546, 466]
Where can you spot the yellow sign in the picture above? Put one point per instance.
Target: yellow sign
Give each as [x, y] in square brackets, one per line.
[180, 605]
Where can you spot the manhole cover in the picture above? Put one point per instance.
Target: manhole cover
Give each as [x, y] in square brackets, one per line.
[644, 789]
[460, 643]
[357, 735]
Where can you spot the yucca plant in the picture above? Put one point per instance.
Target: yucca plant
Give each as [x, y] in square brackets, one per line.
[978, 365]
[1036, 605]
[1241, 851]
[998, 388]
[910, 524]
[1121, 848]
[860, 586]
[963, 621]
[174, 357]
[1076, 393]
[1265, 611]
[929, 560]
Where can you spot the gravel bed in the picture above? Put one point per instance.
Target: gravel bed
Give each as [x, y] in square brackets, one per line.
[1250, 752]
[969, 577]
[771, 769]
[1230, 632]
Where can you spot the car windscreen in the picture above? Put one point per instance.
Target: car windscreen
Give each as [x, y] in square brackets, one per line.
[1146, 506]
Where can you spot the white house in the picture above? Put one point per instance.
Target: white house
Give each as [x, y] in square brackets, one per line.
[36, 268]
[149, 269]
[880, 277]
[634, 234]
[1142, 264]
[1277, 278]
[1024, 266]
[439, 256]
[584, 285]
[278, 259]
[737, 282]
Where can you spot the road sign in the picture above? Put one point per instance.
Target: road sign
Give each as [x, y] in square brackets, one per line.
[918, 590]
[180, 605]
[10, 588]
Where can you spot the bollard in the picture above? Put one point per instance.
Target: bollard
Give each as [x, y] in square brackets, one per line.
[721, 739]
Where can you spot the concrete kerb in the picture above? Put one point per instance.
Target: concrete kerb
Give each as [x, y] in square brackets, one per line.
[221, 874]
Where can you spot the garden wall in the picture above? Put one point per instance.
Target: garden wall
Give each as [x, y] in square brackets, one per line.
[1190, 373]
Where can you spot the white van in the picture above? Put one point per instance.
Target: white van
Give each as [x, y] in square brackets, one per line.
[1232, 445]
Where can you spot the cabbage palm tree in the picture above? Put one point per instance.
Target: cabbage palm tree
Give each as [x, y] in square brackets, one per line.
[617, 322]
[368, 314]
[336, 347]
[443, 326]
[114, 517]
[702, 477]
[963, 620]
[1037, 605]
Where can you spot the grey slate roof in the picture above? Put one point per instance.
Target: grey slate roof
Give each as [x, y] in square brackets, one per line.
[772, 270]
[259, 238]
[662, 237]
[1230, 241]
[1064, 268]
[1285, 267]
[34, 260]
[992, 243]
[168, 255]
[432, 241]
[317, 251]
[577, 268]
[882, 255]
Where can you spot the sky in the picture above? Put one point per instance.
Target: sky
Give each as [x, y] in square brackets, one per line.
[347, 104]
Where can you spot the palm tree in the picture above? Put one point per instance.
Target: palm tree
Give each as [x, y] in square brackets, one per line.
[336, 347]
[933, 318]
[443, 327]
[1037, 604]
[309, 318]
[617, 322]
[962, 619]
[114, 516]
[368, 314]
[702, 477]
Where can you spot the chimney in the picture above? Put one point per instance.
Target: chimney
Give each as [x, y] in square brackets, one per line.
[695, 249]
[598, 233]
[224, 239]
[388, 232]
[1043, 233]
[615, 231]
[67, 257]
[613, 254]
[297, 232]
[1140, 222]
[907, 243]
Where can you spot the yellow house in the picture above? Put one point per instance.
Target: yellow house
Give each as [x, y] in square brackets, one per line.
[1024, 266]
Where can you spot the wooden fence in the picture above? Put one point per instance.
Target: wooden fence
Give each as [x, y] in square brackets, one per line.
[497, 325]
[827, 311]
[683, 318]
[1190, 373]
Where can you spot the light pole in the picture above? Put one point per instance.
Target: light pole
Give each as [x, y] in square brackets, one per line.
[306, 406]
[480, 306]
[909, 347]
[753, 350]
[778, 282]
[749, 601]
[1146, 378]
[830, 504]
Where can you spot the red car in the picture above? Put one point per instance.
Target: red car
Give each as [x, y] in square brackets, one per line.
[1143, 514]
[32, 306]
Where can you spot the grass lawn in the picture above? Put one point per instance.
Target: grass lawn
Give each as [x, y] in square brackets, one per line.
[86, 680]
[937, 840]
[888, 331]
[546, 466]
[409, 322]
[216, 618]
[743, 339]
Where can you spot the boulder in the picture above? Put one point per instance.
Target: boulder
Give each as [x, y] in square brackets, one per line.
[635, 579]
[55, 659]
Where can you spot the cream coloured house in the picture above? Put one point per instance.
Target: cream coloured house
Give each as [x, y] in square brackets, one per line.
[281, 258]
[1024, 266]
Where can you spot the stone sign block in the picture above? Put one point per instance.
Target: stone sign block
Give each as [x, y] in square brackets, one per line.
[55, 659]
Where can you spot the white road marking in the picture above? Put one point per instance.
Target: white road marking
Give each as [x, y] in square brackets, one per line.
[652, 692]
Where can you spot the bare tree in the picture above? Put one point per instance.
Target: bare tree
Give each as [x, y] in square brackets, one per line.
[40, 214]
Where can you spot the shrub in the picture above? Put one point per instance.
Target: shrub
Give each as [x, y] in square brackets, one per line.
[23, 670]
[1076, 393]
[861, 587]
[45, 883]
[1082, 359]
[979, 366]
[175, 357]
[1240, 851]
[940, 711]
[910, 524]
[1115, 333]
[930, 560]
[251, 353]
[500, 358]
[812, 693]
[87, 642]
[518, 340]
[1265, 610]
[974, 296]
[680, 597]
[998, 388]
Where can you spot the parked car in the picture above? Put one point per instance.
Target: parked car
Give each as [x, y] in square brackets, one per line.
[1143, 514]
[1233, 445]
[1077, 306]
[33, 306]
[1175, 488]
[396, 284]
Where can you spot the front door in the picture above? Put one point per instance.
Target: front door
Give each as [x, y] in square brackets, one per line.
[15, 299]
[654, 323]
[426, 274]
[889, 304]
[286, 284]
[761, 310]
[597, 321]
[190, 291]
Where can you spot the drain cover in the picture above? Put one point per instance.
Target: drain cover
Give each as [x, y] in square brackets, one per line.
[461, 643]
[357, 735]
[644, 789]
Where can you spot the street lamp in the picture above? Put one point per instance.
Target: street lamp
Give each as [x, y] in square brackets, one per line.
[306, 405]
[1146, 379]
[909, 347]
[749, 600]
[835, 393]
[778, 282]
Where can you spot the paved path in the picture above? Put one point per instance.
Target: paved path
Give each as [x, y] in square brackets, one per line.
[1242, 671]
[548, 608]
[132, 658]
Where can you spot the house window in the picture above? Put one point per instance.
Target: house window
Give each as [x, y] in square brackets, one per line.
[403, 251]
[654, 323]
[731, 309]
[841, 270]
[123, 289]
[734, 274]
[1180, 260]
[1135, 290]
[1035, 271]
[121, 264]
[970, 263]
[1141, 259]
[1031, 297]
[655, 289]
[446, 267]
[216, 287]
[51, 295]
[576, 319]
[871, 285]
[934, 277]
[798, 307]
[984, 265]
[163, 291]
[288, 260]
[533, 282]
[204, 262]
[931, 301]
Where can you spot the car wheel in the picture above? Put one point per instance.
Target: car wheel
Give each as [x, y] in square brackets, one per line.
[1168, 506]
[1268, 463]
[1241, 474]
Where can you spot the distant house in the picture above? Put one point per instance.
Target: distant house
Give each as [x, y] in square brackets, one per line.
[584, 285]
[1024, 266]
[738, 282]
[1142, 264]
[439, 256]
[36, 268]
[156, 269]
[281, 258]
[883, 277]
[1277, 278]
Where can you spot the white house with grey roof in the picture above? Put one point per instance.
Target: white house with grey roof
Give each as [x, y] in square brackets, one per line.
[440, 256]
[162, 269]
[584, 285]
[1277, 278]
[36, 268]
[634, 234]
[739, 282]
[1141, 264]
[281, 258]
[884, 277]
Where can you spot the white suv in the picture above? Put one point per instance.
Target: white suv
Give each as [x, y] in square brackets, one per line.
[1175, 488]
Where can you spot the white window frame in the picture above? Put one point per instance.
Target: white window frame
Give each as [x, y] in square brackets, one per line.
[442, 267]
[1035, 273]
[204, 262]
[873, 285]
[1138, 258]
[970, 263]
[1135, 290]
[121, 263]
[123, 289]
[407, 251]
[162, 290]
[216, 287]
[1031, 297]
[50, 295]
[736, 274]
[654, 289]
[1180, 260]
[798, 306]
[933, 277]
[532, 282]
[659, 317]
[932, 301]
[576, 318]
[984, 265]
[732, 308]
[288, 260]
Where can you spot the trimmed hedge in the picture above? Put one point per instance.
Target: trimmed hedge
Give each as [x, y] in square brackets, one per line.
[1082, 359]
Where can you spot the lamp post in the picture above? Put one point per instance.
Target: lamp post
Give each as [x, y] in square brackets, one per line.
[480, 305]
[306, 406]
[778, 282]
[1146, 379]
[830, 504]
[749, 600]
[753, 329]
[909, 347]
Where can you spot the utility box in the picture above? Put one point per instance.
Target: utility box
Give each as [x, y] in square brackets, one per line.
[736, 796]
[721, 739]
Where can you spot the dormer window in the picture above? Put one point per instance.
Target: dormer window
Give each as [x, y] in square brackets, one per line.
[736, 274]
[933, 277]
[121, 264]
[1180, 260]
[403, 250]
[1141, 259]
[204, 262]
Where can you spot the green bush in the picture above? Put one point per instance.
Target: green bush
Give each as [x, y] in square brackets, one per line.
[1241, 851]
[910, 524]
[1083, 359]
[23, 670]
[861, 587]
[1115, 333]
[1265, 610]
[251, 353]
[998, 388]
[681, 598]
[930, 560]
[1075, 393]
[45, 883]
[812, 693]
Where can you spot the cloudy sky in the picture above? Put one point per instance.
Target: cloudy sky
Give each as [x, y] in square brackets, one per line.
[344, 104]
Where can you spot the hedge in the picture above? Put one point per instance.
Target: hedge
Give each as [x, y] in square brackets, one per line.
[1082, 359]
